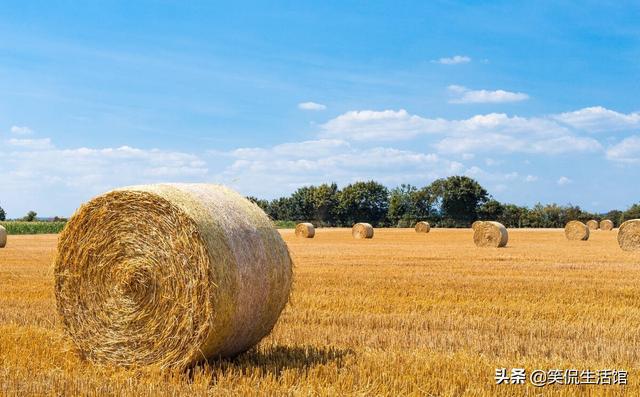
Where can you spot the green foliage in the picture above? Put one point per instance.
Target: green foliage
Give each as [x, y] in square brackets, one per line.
[408, 205]
[632, 213]
[21, 227]
[363, 202]
[3, 215]
[30, 217]
[285, 224]
[459, 198]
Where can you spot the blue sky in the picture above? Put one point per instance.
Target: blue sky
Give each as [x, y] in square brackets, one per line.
[536, 100]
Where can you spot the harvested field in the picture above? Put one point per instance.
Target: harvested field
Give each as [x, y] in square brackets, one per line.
[400, 314]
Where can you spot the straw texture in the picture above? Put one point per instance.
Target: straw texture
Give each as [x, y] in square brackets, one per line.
[475, 225]
[490, 234]
[3, 237]
[170, 275]
[576, 231]
[593, 224]
[423, 227]
[629, 235]
[606, 224]
[305, 230]
[362, 230]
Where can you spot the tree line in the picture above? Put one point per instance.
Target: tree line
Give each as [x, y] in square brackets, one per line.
[456, 201]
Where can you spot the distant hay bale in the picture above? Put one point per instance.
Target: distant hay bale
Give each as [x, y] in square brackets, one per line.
[576, 231]
[362, 230]
[475, 225]
[606, 224]
[629, 235]
[305, 229]
[3, 237]
[490, 234]
[592, 224]
[169, 275]
[423, 227]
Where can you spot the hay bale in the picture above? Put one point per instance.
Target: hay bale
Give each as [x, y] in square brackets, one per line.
[3, 237]
[592, 224]
[423, 227]
[576, 231]
[490, 234]
[629, 235]
[169, 275]
[606, 224]
[305, 229]
[362, 230]
[475, 225]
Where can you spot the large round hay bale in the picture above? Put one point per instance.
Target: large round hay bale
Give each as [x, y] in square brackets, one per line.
[576, 230]
[423, 227]
[592, 224]
[475, 225]
[490, 234]
[170, 275]
[629, 235]
[3, 237]
[305, 229]
[606, 224]
[362, 230]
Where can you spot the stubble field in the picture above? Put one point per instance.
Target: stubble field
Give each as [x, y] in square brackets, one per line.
[401, 314]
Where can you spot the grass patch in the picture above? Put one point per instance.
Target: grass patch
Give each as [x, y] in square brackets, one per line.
[19, 227]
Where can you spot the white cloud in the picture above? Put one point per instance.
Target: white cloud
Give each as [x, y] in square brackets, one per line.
[480, 133]
[290, 165]
[21, 130]
[530, 178]
[34, 144]
[626, 151]
[563, 180]
[455, 60]
[311, 106]
[465, 95]
[599, 119]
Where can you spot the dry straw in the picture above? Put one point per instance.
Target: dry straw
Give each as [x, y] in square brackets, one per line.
[170, 275]
[629, 235]
[490, 234]
[606, 224]
[3, 237]
[475, 225]
[423, 227]
[305, 230]
[362, 230]
[576, 230]
[593, 224]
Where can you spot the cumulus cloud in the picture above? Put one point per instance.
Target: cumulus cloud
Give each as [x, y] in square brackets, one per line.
[599, 119]
[34, 144]
[21, 130]
[311, 106]
[480, 133]
[530, 178]
[563, 180]
[454, 60]
[464, 95]
[626, 151]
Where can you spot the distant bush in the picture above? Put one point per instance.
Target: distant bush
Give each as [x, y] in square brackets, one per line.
[285, 224]
[20, 227]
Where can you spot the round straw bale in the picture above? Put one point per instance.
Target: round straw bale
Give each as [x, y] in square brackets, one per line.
[475, 225]
[169, 275]
[629, 235]
[3, 237]
[592, 224]
[606, 224]
[305, 230]
[423, 227]
[362, 230]
[490, 234]
[576, 230]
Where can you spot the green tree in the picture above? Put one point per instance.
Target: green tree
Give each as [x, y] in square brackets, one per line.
[408, 205]
[513, 215]
[363, 202]
[3, 215]
[459, 198]
[263, 204]
[632, 212]
[616, 216]
[30, 217]
[492, 210]
[280, 209]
